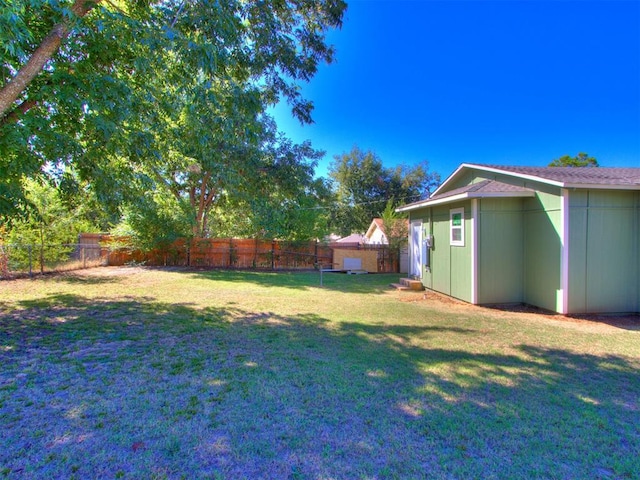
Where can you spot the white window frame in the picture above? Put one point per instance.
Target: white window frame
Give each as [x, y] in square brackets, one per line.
[452, 228]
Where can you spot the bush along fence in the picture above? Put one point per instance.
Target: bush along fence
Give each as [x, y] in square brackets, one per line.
[27, 260]
[96, 250]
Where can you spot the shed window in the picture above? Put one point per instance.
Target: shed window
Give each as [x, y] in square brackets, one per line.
[456, 226]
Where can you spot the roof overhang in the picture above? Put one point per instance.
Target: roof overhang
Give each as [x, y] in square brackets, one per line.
[465, 196]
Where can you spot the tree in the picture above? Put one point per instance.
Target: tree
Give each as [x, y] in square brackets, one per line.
[48, 225]
[77, 77]
[363, 186]
[49, 45]
[580, 160]
[396, 229]
[269, 40]
[241, 178]
[289, 204]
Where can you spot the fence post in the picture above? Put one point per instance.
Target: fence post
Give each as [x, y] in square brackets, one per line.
[84, 258]
[273, 254]
[315, 253]
[30, 260]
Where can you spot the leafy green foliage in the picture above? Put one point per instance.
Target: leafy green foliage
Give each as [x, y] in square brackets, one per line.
[48, 226]
[363, 186]
[143, 91]
[396, 227]
[580, 160]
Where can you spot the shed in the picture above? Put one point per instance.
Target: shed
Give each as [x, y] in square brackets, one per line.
[564, 239]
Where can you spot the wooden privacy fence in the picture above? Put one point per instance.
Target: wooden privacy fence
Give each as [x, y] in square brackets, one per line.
[246, 254]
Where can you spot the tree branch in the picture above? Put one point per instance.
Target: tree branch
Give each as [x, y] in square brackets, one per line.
[50, 45]
[17, 112]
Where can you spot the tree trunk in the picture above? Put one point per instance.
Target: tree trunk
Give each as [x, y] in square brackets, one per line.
[50, 45]
[201, 203]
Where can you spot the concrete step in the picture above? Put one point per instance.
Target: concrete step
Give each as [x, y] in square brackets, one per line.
[408, 284]
[412, 284]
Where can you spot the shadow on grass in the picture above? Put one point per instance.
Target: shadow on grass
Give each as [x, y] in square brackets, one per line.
[145, 389]
[303, 280]
[82, 279]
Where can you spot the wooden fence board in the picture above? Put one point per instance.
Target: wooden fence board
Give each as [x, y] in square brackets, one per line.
[245, 254]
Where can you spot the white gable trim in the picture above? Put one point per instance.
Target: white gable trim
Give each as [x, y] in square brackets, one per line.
[514, 174]
[448, 179]
[465, 196]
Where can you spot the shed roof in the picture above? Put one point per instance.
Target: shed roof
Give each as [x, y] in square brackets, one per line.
[564, 177]
[587, 177]
[483, 189]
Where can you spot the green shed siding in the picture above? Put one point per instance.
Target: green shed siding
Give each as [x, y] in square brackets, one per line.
[519, 254]
[461, 258]
[577, 254]
[450, 266]
[603, 246]
[441, 252]
[542, 249]
[500, 251]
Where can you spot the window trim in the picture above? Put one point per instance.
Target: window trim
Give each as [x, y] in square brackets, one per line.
[452, 227]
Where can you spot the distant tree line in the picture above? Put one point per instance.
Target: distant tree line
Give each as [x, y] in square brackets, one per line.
[580, 160]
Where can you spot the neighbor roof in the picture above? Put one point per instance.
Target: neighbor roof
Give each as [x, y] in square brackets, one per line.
[353, 238]
[377, 222]
[564, 177]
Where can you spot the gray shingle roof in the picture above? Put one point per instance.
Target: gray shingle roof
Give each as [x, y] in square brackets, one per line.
[575, 175]
[483, 187]
[564, 177]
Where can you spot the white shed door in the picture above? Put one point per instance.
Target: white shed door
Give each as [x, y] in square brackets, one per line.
[416, 249]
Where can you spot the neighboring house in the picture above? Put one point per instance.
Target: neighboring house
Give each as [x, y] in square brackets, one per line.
[375, 234]
[353, 238]
[565, 239]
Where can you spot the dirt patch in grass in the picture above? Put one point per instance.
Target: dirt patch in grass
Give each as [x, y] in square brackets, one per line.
[109, 271]
[592, 322]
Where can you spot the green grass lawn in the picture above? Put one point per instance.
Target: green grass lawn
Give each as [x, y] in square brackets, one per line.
[151, 373]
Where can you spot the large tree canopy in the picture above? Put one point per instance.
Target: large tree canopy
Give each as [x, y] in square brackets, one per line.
[364, 186]
[99, 85]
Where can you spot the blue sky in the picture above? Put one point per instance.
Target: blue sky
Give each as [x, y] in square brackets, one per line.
[504, 82]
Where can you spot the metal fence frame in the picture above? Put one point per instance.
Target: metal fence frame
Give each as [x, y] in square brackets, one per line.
[28, 260]
[18, 260]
